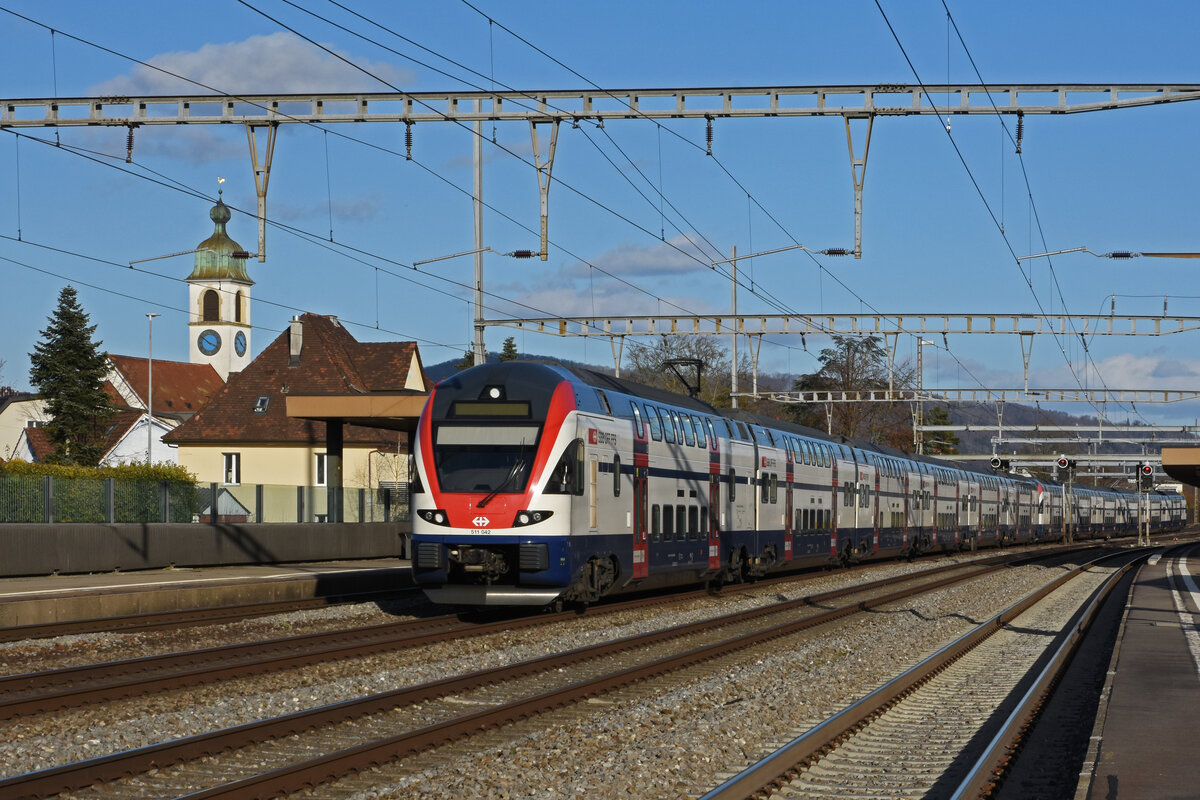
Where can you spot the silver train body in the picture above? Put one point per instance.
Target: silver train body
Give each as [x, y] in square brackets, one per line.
[536, 484]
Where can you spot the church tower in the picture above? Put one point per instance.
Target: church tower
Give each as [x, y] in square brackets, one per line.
[219, 300]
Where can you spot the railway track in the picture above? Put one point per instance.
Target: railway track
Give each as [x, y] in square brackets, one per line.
[40, 692]
[162, 620]
[274, 756]
[51, 690]
[948, 727]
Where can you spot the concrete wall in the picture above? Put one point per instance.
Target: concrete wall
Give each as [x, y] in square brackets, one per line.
[83, 548]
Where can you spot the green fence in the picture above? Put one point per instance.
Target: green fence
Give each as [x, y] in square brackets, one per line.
[42, 498]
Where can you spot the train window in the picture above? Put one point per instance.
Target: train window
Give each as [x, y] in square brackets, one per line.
[638, 429]
[603, 398]
[668, 523]
[689, 436]
[741, 426]
[774, 488]
[732, 484]
[712, 434]
[694, 521]
[655, 523]
[678, 428]
[616, 468]
[655, 426]
[681, 523]
[668, 428]
[764, 486]
[848, 491]
[704, 522]
[701, 441]
[567, 477]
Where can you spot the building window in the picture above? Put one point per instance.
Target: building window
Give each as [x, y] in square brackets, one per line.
[233, 468]
[260, 405]
[210, 306]
[322, 463]
[237, 307]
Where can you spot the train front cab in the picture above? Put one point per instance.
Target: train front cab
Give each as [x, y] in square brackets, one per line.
[500, 466]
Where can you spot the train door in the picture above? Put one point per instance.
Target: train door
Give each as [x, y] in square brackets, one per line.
[714, 497]
[876, 507]
[641, 496]
[789, 478]
[834, 505]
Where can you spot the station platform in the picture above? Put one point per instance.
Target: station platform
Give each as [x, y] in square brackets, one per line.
[1144, 740]
[64, 598]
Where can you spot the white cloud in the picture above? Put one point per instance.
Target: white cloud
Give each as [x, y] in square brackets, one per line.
[641, 280]
[279, 63]
[672, 258]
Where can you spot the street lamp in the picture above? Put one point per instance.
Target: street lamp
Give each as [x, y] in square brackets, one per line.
[478, 348]
[150, 315]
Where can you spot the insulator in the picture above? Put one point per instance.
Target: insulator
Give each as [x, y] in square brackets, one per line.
[708, 135]
[837, 251]
[522, 254]
[1020, 130]
[408, 141]
[129, 147]
[1122, 254]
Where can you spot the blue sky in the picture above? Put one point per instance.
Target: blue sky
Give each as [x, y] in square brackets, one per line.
[1117, 180]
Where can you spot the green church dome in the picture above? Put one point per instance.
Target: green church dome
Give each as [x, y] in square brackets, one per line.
[214, 256]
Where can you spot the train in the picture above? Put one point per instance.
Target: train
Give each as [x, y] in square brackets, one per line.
[538, 484]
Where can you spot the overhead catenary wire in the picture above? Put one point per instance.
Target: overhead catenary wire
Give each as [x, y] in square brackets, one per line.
[979, 190]
[1028, 187]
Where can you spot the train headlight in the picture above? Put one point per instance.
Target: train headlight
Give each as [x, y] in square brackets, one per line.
[435, 516]
[531, 518]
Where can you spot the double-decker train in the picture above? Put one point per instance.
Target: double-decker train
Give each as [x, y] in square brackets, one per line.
[537, 483]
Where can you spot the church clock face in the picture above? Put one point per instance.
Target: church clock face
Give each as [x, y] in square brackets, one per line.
[209, 342]
[239, 343]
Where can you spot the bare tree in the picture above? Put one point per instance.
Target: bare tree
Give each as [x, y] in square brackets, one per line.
[648, 365]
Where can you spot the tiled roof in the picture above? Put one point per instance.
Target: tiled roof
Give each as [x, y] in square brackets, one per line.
[118, 426]
[179, 387]
[331, 362]
[39, 443]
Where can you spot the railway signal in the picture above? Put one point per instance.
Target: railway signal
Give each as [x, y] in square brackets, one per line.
[1145, 478]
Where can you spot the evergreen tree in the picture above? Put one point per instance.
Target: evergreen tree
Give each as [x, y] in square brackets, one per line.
[855, 364]
[68, 370]
[509, 351]
[938, 442]
[468, 360]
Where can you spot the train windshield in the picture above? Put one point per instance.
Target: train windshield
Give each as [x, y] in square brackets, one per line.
[492, 458]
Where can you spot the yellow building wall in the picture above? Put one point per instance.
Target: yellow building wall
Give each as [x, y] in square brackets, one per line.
[281, 469]
[362, 467]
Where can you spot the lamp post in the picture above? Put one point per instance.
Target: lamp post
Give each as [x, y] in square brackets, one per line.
[150, 388]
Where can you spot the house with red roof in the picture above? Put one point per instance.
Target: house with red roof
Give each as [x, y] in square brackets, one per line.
[180, 390]
[316, 408]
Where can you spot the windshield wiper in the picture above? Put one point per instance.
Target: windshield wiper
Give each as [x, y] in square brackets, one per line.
[517, 468]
